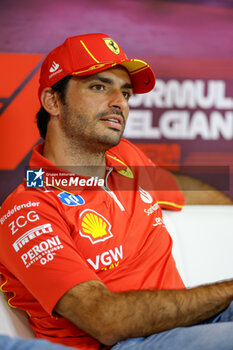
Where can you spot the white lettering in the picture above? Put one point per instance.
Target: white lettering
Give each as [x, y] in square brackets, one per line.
[74, 181]
[30, 254]
[21, 221]
[222, 102]
[152, 209]
[31, 234]
[180, 94]
[221, 126]
[176, 124]
[17, 208]
[117, 253]
[12, 227]
[24, 257]
[96, 264]
[139, 125]
[199, 126]
[188, 93]
[82, 182]
[158, 221]
[38, 252]
[202, 100]
[106, 257]
[52, 242]
[173, 124]
[51, 75]
[43, 246]
[64, 182]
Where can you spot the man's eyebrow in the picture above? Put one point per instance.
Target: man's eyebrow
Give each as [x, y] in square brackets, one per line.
[108, 81]
[127, 86]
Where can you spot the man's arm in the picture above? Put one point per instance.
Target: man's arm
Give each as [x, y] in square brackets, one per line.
[110, 317]
[196, 191]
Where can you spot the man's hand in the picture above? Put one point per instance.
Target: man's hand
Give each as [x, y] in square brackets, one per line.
[110, 317]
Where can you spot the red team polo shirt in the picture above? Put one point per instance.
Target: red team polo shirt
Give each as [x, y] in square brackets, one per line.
[52, 240]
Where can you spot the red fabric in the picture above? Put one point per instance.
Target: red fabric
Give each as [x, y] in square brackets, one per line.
[89, 54]
[48, 246]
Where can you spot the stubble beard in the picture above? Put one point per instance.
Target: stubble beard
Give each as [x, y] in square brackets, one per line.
[75, 129]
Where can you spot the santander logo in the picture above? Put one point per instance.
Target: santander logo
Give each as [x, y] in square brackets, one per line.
[54, 67]
[145, 196]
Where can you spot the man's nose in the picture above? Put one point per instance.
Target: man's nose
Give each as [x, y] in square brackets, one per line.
[117, 100]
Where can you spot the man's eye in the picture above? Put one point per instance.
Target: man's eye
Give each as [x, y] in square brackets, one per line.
[126, 95]
[98, 87]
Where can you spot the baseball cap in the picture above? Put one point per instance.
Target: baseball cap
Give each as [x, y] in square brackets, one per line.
[89, 54]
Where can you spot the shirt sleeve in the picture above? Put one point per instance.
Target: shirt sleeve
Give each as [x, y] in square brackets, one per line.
[168, 193]
[37, 248]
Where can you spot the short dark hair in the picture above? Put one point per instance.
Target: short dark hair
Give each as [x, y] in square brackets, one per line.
[42, 116]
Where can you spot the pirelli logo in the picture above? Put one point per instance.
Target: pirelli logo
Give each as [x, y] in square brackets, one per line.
[30, 235]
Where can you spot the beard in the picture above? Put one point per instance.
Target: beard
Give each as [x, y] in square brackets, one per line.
[83, 131]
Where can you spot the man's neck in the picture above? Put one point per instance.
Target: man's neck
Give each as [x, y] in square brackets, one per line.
[82, 161]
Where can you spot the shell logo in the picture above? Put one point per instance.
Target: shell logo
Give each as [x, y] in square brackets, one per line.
[94, 226]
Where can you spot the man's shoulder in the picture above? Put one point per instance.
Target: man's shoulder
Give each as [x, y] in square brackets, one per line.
[129, 152]
[22, 198]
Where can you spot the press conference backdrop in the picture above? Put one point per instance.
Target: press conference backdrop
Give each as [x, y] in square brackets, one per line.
[186, 120]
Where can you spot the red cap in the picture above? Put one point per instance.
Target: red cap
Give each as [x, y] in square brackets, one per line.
[91, 53]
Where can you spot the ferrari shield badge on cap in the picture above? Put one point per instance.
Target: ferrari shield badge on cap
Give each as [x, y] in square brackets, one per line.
[112, 45]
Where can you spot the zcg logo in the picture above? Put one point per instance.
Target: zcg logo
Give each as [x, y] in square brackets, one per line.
[22, 221]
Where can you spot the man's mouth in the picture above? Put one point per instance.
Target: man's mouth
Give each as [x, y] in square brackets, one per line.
[114, 122]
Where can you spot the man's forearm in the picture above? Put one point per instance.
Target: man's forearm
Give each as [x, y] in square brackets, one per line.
[110, 317]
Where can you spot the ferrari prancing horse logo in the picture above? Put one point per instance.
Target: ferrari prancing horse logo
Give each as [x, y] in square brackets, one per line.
[112, 45]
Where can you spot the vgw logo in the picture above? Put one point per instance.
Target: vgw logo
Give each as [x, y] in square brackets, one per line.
[35, 178]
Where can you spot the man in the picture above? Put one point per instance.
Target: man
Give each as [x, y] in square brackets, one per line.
[92, 265]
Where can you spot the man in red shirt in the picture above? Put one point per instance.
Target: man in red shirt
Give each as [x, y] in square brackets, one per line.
[90, 256]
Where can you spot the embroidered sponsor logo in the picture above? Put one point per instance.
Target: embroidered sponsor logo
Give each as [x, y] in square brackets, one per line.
[43, 252]
[112, 45]
[18, 208]
[22, 221]
[54, 67]
[152, 209]
[35, 178]
[70, 199]
[31, 234]
[57, 72]
[145, 196]
[94, 226]
[109, 259]
[158, 221]
[127, 172]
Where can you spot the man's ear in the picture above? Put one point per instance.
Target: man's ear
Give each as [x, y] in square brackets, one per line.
[49, 101]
